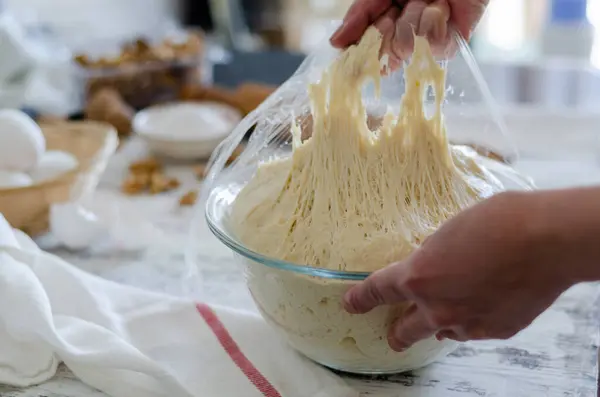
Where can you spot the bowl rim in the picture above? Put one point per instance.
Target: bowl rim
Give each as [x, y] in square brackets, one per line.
[306, 270]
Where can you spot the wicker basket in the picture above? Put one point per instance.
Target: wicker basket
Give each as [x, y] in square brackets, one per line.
[92, 143]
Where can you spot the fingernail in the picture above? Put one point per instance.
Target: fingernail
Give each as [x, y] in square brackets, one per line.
[403, 41]
[446, 334]
[336, 35]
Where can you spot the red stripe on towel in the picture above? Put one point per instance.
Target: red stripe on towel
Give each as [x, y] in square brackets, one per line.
[234, 352]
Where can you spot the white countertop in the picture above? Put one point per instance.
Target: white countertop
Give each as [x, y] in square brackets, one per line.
[555, 358]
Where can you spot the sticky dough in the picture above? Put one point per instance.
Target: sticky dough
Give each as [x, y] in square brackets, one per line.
[350, 198]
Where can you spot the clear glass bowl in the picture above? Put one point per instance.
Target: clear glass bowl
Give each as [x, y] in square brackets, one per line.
[304, 303]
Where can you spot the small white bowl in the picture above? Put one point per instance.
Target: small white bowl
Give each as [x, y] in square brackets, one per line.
[185, 130]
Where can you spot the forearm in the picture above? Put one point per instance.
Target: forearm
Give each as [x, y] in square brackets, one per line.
[566, 226]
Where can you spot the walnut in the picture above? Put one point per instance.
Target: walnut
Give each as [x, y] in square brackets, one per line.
[135, 184]
[160, 183]
[83, 60]
[149, 165]
[189, 198]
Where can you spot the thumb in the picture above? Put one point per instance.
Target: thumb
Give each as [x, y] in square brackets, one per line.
[361, 14]
[385, 286]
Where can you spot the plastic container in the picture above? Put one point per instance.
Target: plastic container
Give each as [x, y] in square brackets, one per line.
[304, 302]
[143, 72]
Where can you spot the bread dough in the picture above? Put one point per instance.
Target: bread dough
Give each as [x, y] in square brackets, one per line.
[354, 199]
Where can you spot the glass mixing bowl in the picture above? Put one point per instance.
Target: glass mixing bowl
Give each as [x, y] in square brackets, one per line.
[304, 303]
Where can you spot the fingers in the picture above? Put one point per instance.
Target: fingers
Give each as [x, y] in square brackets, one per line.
[387, 26]
[360, 16]
[411, 15]
[409, 329]
[446, 334]
[434, 21]
[382, 287]
[424, 18]
[455, 335]
[428, 18]
[406, 26]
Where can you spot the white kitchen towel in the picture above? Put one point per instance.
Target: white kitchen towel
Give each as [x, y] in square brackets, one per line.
[128, 342]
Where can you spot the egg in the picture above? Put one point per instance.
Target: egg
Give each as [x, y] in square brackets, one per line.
[22, 142]
[53, 164]
[13, 179]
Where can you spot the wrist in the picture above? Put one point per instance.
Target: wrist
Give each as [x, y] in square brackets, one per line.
[564, 227]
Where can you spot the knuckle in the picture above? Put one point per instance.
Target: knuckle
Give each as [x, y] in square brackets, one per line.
[373, 293]
[414, 281]
[415, 285]
[354, 300]
[391, 291]
[385, 287]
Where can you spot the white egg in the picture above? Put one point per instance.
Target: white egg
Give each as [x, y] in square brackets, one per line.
[22, 142]
[53, 164]
[12, 179]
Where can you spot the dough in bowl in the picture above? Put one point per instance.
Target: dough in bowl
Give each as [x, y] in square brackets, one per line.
[353, 198]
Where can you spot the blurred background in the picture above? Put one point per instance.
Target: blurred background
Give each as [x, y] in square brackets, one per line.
[531, 51]
[536, 50]
[512, 28]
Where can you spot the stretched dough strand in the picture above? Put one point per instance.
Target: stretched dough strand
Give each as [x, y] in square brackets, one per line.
[355, 199]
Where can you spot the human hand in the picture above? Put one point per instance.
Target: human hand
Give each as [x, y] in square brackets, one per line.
[485, 274]
[429, 18]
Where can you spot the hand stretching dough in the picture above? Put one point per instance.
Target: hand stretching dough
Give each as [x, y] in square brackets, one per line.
[354, 199]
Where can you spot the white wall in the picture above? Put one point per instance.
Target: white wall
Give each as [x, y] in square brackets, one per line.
[79, 20]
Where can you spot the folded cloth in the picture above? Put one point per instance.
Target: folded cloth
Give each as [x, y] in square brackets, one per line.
[128, 342]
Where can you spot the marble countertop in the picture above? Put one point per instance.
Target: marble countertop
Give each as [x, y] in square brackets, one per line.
[556, 356]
